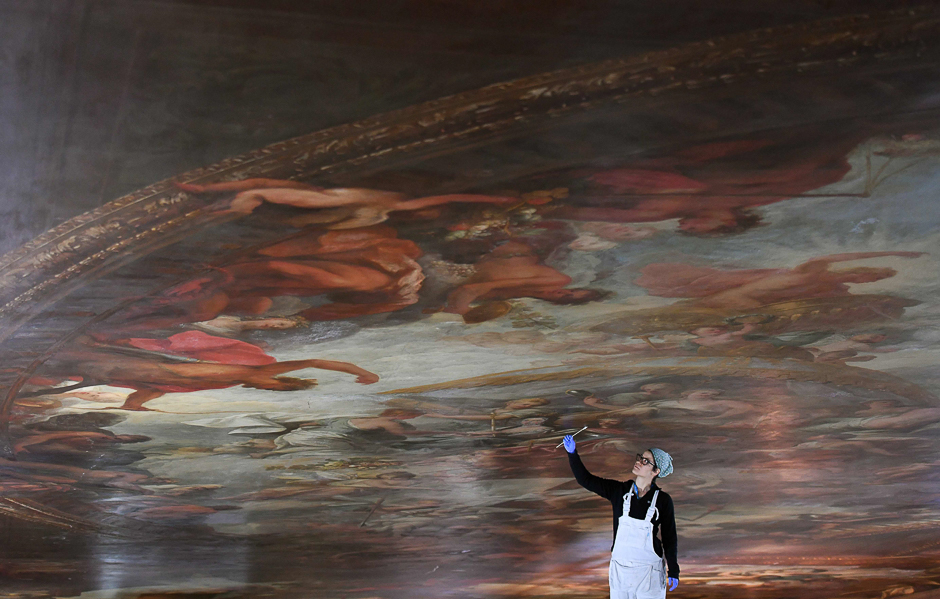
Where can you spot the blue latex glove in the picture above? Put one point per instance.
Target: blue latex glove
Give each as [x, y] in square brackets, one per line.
[569, 443]
[673, 583]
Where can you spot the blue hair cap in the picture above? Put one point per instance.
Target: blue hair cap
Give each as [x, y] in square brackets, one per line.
[663, 462]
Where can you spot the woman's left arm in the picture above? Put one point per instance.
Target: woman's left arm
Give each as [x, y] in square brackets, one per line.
[667, 529]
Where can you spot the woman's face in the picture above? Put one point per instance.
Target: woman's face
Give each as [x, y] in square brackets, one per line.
[640, 468]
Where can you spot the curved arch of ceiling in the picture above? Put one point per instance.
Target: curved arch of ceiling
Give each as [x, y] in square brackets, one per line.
[345, 360]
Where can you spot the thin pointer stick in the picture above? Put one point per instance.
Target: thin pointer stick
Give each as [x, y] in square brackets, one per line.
[375, 507]
[562, 443]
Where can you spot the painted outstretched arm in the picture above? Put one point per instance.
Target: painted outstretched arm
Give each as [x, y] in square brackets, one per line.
[362, 375]
[419, 203]
[823, 261]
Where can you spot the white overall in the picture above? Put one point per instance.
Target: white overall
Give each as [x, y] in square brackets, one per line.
[636, 572]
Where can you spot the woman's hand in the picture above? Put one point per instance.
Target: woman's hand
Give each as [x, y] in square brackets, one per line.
[569, 443]
[673, 583]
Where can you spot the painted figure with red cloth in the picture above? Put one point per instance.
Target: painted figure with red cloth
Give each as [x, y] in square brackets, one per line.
[710, 188]
[360, 271]
[514, 270]
[189, 361]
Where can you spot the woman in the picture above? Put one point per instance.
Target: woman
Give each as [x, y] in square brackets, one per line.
[641, 510]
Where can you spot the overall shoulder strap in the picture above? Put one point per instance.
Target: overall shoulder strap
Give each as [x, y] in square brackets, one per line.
[628, 498]
[649, 512]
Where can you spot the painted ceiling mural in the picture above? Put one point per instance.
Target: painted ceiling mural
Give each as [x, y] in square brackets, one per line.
[340, 366]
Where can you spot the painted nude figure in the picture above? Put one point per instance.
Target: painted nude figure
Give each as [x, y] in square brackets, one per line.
[366, 271]
[152, 376]
[361, 271]
[748, 289]
[711, 189]
[514, 270]
[342, 208]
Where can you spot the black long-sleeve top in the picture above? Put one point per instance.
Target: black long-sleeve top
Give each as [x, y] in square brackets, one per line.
[664, 520]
